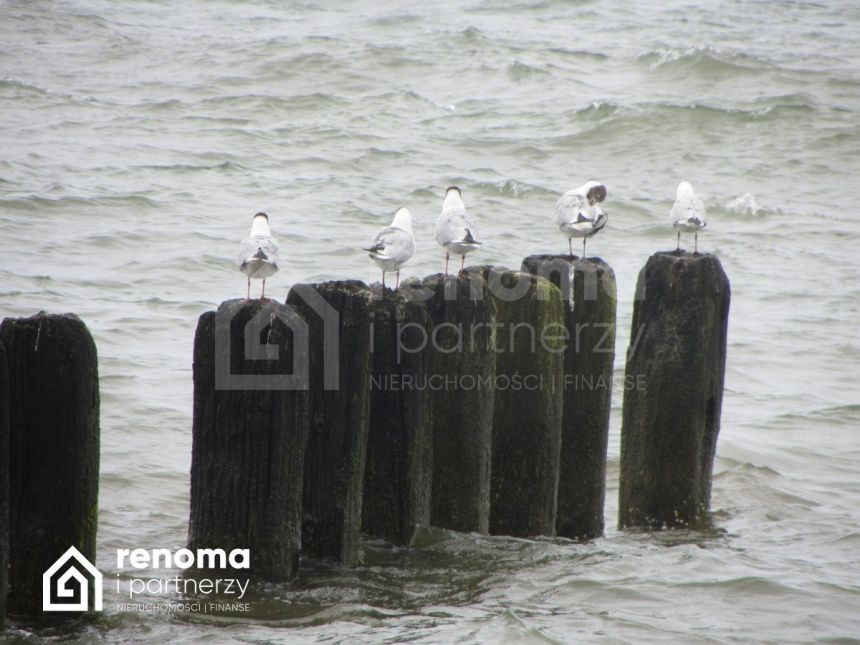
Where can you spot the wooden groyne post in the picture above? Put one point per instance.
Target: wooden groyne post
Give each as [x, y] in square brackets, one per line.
[4, 484]
[399, 469]
[338, 316]
[462, 345]
[53, 413]
[250, 431]
[589, 301]
[670, 421]
[527, 402]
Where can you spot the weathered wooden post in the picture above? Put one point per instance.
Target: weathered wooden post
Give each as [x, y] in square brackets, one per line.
[527, 402]
[338, 315]
[250, 431]
[4, 484]
[677, 360]
[588, 291]
[462, 344]
[53, 449]
[399, 470]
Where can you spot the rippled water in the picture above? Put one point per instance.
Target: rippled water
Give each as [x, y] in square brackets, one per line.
[138, 138]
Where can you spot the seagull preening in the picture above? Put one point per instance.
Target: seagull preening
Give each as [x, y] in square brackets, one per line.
[456, 230]
[394, 246]
[688, 214]
[578, 212]
[258, 254]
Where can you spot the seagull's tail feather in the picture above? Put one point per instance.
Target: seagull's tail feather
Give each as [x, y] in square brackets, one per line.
[468, 240]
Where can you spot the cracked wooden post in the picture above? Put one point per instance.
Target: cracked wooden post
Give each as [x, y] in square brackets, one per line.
[399, 469]
[462, 343]
[527, 402]
[589, 295]
[250, 430]
[338, 315]
[53, 449]
[671, 419]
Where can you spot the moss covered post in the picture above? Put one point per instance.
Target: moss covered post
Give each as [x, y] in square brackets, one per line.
[338, 316]
[589, 296]
[399, 469]
[53, 449]
[527, 402]
[4, 484]
[462, 344]
[671, 419]
[250, 430]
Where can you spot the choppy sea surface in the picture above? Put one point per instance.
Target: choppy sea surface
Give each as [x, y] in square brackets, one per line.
[138, 138]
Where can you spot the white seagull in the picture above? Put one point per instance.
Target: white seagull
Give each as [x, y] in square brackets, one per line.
[258, 254]
[456, 230]
[688, 213]
[578, 212]
[394, 246]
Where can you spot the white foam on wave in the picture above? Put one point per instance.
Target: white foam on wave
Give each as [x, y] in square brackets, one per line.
[744, 205]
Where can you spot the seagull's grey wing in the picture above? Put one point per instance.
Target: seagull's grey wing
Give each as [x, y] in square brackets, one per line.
[570, 209]
[451, 225]
[689, 206]
[252, 245]
[397, 244]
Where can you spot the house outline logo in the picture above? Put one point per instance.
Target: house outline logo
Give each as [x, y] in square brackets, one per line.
[76, 575]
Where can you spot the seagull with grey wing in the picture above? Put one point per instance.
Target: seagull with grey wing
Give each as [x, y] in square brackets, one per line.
[394, 246]
[456, 229]
[578, 213]
[688, 214]
[258, 254]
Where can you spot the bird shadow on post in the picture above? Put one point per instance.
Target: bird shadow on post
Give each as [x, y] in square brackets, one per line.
[670, 424]
[250, 430]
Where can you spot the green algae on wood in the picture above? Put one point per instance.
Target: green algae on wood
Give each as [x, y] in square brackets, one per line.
[671, 419]
[527, 402]
[399, 468]
[462, 347]
[589, 295]
[250, 431]
[338, 316]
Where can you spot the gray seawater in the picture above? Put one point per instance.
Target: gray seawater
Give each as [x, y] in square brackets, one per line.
[138, 138]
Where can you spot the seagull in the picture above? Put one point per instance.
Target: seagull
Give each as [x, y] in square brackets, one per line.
[456, 230]
[688, 213]
[258, 254]
[578, 212]
[394, 246]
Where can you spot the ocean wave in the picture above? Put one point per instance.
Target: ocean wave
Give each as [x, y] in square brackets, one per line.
[36, 88]
[511, 188]
[41, 202]
[705, 61]
[518, 69]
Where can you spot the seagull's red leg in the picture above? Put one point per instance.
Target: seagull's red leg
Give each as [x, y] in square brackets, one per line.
[248, 290]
